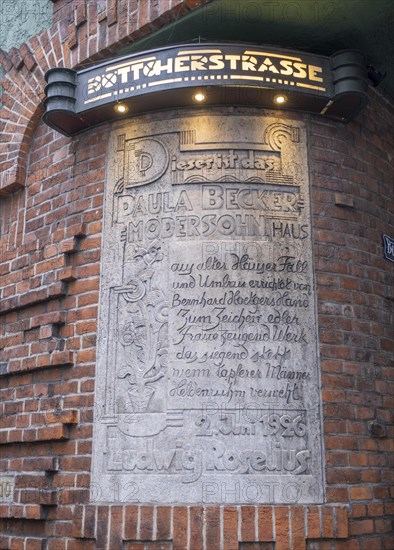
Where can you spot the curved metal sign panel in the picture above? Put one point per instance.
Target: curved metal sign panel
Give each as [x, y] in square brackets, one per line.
[227, 74]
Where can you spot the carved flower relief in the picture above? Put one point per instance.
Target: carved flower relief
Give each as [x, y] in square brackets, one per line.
[144, 335]
[133, 333]
[144, 332]
[149, 255]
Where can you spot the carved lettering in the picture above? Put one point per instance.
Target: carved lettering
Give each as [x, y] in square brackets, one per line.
[207, 369]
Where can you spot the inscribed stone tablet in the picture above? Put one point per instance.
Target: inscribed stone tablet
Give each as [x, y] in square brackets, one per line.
[207, 370]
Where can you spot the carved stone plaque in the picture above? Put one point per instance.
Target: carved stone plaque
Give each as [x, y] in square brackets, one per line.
[207, 385]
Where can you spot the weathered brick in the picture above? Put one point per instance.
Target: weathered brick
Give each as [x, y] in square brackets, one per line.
[212, 526]
[67, 274]
[61, 416]
[341, 523]
[115, 535]
[146, 522]
[28, 57]
[112, 12]
[90, 522]
[230, 527]
[16, 58]
[298, 535]
[80, 13]
[72, 36]
[130, 523]
[163, 522]
[327, 523]
[196, 526]
[248, 525]
[54, 432]
[360, 493]
[180, 539]
[282, 527]
[102, 522]
[313, 523]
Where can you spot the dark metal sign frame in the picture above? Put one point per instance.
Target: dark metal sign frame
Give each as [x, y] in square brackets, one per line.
[227, 73]
[388, 244]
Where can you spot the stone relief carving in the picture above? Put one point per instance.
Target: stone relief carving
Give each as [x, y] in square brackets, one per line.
[231, 162]
[208, 382]
[145, 334]
[143, 160]
[276, 135]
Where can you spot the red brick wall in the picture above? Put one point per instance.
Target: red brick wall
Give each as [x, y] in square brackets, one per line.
[355, 305]
[49, 268]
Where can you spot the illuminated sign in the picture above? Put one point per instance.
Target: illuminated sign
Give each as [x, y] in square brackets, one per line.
[225, 74]
[208, 65]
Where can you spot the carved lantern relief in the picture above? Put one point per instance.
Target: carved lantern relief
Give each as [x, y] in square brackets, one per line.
[207, 370]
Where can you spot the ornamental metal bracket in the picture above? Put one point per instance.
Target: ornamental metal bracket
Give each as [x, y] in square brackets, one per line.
[224, 74]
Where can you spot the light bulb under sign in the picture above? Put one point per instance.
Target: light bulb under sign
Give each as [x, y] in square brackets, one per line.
[199, 97]
[121, 108]
[280, 99]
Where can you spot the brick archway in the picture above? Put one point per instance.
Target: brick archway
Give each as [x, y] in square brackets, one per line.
[78, 36]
